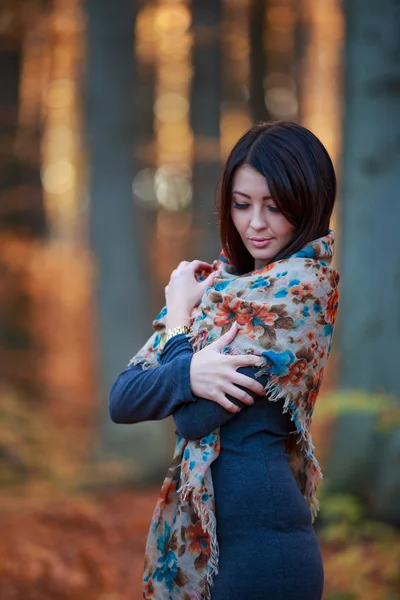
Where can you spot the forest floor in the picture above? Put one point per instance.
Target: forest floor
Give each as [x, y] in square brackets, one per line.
[90, 547]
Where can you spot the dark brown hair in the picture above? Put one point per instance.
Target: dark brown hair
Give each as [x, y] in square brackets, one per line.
[300, 177]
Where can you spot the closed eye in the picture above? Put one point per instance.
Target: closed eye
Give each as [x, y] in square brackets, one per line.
[239, 205]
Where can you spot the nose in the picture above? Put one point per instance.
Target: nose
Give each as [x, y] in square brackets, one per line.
[258, 221]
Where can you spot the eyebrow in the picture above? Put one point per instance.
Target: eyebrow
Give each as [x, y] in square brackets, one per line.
[249, 197]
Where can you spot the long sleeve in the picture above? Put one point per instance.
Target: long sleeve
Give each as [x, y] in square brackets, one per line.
[196, 419]
[147, 395]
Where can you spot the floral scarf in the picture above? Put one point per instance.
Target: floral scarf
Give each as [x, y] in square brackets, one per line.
[286, 312]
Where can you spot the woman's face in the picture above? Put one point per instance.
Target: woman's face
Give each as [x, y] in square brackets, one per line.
[263, 228]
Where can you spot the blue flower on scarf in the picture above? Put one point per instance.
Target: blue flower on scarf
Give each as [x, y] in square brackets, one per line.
[201, 316]
[317, 307]
[209, 439]
[260, 283]
[221, 285]
[163, 539]
[168, 569]
[279, 362]
[161, 314]
[307, 252]
[294, 282]
[281, 294]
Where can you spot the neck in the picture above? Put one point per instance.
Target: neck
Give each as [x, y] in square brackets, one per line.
[260, 263]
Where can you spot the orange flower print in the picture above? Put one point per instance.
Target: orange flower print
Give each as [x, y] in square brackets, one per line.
[312, 397]
[302, 291]
[265, 269]
[317, 380]
[331, 309]
[224, 315]
[148, 589]
[199, 539]
[296, 372]
[250, 316]
[167, 492]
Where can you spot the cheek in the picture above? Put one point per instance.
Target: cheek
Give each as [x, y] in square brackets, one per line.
[238, 221]
[285, 228]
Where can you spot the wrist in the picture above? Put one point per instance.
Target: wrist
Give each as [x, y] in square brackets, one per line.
[176, 320]
[172, 332]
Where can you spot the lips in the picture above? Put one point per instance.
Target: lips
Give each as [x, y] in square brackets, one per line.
[260, 242]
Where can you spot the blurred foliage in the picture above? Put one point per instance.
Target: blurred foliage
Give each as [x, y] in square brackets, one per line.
[361, 552]
[37, 456]
[31, 447]
[349, 401]
[359, 435]
[361, 555]
[343, 519]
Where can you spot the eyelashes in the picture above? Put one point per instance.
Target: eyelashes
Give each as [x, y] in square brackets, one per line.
[273, 209]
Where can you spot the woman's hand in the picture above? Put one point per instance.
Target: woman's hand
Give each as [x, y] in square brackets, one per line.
[212, 374]
[184, 292]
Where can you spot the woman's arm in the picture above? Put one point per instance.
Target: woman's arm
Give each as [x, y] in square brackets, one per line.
[197, 419]
[147, 395]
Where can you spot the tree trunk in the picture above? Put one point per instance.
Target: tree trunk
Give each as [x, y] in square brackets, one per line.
[115, 222]
[369, 333]
[205, 123]
[22, 221]
[258, 61]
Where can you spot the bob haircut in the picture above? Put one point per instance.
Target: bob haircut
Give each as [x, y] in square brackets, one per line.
[300, 177]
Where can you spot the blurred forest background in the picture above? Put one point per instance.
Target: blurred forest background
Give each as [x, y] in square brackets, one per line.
[116, 118]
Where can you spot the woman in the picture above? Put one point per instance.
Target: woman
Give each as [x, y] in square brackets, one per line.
[237, 357]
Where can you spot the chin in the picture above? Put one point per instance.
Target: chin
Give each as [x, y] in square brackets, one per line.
[261, 253]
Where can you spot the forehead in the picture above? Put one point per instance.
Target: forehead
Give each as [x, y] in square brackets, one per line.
[249, 181]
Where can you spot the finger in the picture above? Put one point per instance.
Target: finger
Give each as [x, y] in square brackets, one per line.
[223, 401]
[195, 265]
[239, 394]
[248, 382]
[182, 264]
[210, 280]
[246, 360]
[226, 339]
